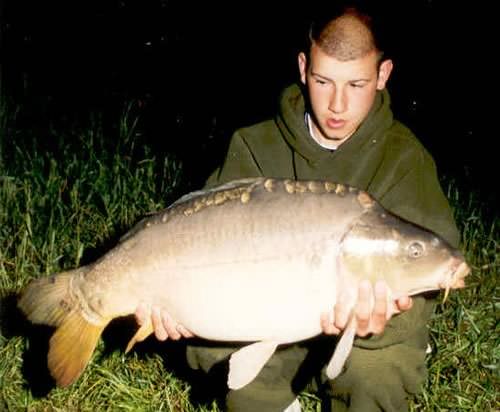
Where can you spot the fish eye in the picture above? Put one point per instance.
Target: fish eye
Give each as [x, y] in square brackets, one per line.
[415, 250]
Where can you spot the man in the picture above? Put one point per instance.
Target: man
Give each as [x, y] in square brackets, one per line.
[337, 125]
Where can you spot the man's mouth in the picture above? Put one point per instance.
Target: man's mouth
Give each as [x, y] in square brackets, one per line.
[335, 123]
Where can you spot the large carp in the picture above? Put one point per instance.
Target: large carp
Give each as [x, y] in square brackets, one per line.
[255, 260]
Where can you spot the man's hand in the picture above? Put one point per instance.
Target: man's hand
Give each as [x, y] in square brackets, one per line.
[370, 320]
[163, 325]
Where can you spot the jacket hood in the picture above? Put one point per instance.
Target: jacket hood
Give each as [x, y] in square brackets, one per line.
[291, 121]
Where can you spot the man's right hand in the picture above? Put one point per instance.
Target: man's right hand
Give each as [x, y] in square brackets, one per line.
[163, 325]
[371, 318]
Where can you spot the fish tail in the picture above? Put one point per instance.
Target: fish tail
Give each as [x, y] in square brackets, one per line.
[49, 301]
[71, 348]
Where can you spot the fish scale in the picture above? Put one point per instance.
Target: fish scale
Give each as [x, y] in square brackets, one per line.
[255, 260]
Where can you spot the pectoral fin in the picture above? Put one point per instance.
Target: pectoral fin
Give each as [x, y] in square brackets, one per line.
[246, 363]
[142, 333]
[342, 350]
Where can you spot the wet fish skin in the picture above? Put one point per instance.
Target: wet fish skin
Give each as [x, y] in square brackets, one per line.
[255, 260]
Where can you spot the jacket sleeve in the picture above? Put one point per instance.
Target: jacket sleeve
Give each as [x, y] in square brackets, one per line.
[239, 163]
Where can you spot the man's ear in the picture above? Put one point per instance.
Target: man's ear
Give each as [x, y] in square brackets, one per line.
[384, 72]
[302, 59]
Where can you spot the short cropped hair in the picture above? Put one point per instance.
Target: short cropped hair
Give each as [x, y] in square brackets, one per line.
[348, 31]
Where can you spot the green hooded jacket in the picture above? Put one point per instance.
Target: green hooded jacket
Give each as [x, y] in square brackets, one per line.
[382, 157]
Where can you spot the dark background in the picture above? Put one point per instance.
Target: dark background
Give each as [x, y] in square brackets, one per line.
[195, 71]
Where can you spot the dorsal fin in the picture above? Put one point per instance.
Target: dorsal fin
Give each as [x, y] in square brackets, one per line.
[239, 183]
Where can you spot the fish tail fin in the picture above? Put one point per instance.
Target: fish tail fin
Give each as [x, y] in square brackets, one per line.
[71, 348]
[48, 300]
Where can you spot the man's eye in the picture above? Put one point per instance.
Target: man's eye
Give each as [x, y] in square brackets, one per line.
[318, 81]
[357, 85]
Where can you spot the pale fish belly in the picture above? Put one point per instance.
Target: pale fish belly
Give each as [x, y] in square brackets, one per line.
[279, 299]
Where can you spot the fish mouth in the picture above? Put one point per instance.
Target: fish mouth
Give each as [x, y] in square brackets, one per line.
[456, 279]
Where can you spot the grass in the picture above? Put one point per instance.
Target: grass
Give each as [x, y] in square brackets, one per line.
[66, 197]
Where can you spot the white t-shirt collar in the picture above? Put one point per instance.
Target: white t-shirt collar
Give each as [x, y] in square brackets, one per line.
[307, 119]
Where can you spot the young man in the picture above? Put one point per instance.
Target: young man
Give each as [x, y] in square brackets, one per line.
[338, 125]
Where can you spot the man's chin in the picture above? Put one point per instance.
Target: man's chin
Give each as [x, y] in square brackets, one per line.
[338, 137]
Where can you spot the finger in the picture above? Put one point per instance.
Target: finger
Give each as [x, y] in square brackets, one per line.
[142, 313]
[404, 303]
[341, 312]
[379, 315]
[160, 332]
[184, 332]
[170, 325]
[363, 308]
[392, 309]
[327, 325]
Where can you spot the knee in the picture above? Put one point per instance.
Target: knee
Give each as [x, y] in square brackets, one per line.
[381, 379]
[206, 357]
[259, 396]
[272, 390]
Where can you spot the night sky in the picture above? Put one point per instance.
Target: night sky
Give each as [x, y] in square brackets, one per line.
[199, 72]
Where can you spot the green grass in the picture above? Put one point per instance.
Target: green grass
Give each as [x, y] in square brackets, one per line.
[66, 197]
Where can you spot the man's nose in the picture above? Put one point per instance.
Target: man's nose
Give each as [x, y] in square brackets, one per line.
[338, 102]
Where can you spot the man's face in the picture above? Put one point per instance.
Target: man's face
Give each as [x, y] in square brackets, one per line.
[341, 93]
